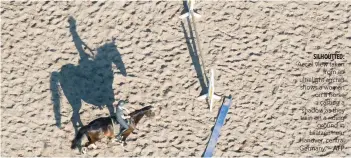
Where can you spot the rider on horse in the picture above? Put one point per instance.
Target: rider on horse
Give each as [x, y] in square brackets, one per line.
[121, 118]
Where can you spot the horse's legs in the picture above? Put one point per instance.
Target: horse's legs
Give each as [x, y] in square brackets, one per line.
[84, 150]
[91, 145]
[87, 146]
[76, 116]
[55, 96]
[125, 135]
[109, 133]
[89, 141]
[92, 138]
[72, 88]
[74, 98]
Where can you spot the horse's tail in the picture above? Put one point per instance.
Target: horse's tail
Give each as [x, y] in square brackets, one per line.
[79, 136]
[55, 97]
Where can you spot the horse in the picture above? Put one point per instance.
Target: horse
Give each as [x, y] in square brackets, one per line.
[104, 127]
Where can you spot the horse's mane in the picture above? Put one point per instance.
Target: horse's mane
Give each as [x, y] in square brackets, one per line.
[140, 110]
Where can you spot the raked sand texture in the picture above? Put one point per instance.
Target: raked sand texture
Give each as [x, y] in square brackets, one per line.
[252, 46]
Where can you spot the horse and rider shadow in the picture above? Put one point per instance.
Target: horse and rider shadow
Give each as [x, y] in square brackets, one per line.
[91, 80]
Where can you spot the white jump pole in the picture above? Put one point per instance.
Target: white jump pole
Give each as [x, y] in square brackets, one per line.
[210, 95]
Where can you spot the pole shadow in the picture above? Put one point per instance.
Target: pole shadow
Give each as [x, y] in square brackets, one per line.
[193, 54]
[91, 80]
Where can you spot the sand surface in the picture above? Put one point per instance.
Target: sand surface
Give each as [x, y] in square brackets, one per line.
[140, 52]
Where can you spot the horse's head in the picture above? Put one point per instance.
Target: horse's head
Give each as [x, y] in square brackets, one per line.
[149, 112]
[138, 114]
[143, 111]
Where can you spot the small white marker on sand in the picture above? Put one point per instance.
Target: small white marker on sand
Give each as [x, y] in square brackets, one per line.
[191, 4]
[210, 93]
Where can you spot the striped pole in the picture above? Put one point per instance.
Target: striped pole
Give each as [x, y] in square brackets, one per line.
[217, 127]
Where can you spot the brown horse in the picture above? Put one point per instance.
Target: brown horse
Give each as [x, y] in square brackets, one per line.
[101, 127]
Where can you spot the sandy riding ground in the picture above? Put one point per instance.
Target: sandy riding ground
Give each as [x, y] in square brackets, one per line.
[252, 46]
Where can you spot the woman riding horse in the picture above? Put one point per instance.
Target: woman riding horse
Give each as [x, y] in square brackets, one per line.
[104, 126]
[121, 119]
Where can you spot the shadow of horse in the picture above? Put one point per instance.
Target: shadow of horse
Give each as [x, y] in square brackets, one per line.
[90, 81]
